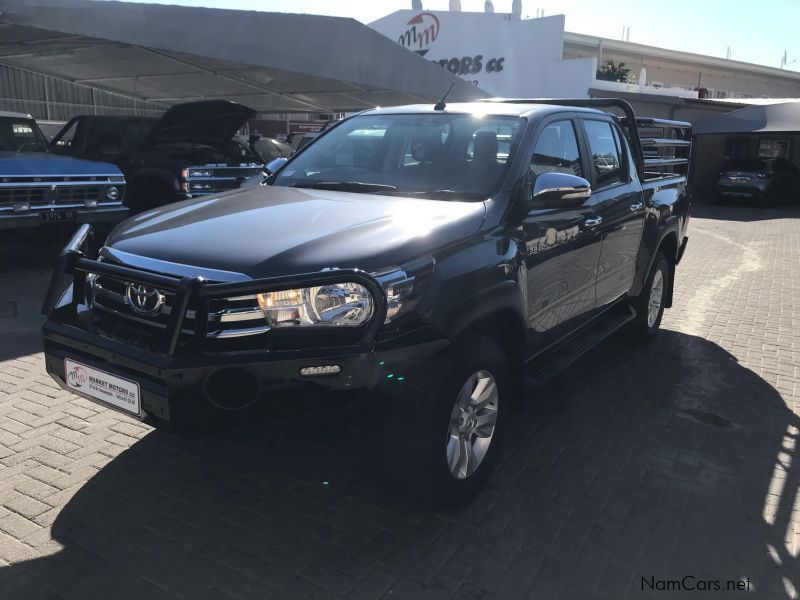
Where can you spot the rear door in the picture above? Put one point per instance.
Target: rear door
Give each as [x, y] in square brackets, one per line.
[619, 195]
[563, 243]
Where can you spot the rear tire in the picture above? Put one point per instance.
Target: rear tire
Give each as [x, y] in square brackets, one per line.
[649, 304]
[441, 438]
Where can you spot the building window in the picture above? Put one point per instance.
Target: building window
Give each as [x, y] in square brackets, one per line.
[773, 148]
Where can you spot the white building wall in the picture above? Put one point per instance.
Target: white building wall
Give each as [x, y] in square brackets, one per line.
[501, 55]
[722, 82]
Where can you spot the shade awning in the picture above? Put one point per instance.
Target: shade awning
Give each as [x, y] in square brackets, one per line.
[272, 62]
[766, 118]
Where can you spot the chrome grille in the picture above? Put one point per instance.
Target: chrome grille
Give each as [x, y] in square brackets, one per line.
[227, 318]
[219, 178]
[78, 194]
[25, 195]
[31, 197]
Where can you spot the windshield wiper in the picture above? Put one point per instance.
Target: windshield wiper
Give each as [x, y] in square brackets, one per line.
[441, 194]
[345, 186]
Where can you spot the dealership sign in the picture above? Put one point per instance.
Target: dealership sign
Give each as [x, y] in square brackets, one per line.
[496, 52]
[421, 32]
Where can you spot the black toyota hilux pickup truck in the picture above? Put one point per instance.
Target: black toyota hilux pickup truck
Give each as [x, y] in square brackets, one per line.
[432, 260]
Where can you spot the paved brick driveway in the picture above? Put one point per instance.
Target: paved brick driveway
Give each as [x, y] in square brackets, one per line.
[677, 459]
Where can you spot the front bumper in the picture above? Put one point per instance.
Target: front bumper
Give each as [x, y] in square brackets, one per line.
[34, 219]
[741, 191]
[195, 390]
[193, 393]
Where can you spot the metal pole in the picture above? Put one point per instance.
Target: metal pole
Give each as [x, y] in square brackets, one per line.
[47, 99]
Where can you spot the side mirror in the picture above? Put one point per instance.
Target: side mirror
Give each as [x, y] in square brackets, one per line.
[554, 190]
[275, 164]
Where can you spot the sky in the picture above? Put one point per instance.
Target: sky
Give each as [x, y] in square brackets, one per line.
[756, 32]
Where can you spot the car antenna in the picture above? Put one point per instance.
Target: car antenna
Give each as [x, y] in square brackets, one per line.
[440, 105]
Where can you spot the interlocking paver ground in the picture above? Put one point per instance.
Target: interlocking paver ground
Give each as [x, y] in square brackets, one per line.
[637, 464]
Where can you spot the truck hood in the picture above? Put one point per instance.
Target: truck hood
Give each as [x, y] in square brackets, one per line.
[267, 231]
[44, 164]
[209, 122]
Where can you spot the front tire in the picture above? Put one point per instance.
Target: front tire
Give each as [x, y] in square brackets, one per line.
[649, 304]
[441, 439]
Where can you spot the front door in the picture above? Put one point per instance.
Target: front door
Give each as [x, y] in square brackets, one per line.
[562, 244]
[620, 197]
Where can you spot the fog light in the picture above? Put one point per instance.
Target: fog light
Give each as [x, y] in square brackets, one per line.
[112, 193]
[321, 370]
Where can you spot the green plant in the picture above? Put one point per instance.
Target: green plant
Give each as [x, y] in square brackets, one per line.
[611, 72]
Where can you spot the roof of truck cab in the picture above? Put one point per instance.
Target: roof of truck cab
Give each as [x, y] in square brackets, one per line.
[116, 117]
[484, 108]
[15, 115]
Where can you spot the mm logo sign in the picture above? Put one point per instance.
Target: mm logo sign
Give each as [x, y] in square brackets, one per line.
[76, 376]
[421, 31]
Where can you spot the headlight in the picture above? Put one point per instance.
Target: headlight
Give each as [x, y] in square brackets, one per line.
[112, 192]
[338, 304]
[201, 173]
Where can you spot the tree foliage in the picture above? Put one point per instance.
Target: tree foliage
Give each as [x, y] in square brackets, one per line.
[611, 72]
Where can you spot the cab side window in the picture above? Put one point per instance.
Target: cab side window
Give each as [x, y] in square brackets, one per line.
[556, 150]
[606, 148]
[65, 137]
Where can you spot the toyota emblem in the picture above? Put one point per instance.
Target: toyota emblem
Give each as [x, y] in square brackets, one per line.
[144, 299]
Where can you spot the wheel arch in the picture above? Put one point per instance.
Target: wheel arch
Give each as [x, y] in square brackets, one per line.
[669, 248]
[498, 313]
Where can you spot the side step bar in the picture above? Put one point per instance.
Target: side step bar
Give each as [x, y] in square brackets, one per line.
[543, 367]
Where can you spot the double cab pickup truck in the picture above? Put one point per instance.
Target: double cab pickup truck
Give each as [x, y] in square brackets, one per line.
[190, 151]
[432, 261]
[38, 188]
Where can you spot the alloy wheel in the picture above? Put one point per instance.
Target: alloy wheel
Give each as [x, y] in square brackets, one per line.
[656, 296]
[472, 424]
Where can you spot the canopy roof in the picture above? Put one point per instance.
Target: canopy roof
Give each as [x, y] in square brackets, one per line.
[272, 62]
[765, 118]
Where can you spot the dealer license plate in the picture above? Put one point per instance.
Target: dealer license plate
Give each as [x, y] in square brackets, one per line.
[59, 215]
[105, 387]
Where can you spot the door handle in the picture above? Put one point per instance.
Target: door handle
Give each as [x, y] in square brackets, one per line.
[637, 206]
[593, 221]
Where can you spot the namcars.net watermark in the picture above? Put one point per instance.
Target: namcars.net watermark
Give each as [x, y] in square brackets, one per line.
[690, 583]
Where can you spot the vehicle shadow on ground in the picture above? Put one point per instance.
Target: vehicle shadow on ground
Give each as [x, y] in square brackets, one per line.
[739, 211]
[659, 462]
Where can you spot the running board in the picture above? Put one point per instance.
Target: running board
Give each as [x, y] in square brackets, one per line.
[550, 363]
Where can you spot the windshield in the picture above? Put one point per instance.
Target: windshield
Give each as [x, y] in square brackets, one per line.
[455, 156]
[21, 135]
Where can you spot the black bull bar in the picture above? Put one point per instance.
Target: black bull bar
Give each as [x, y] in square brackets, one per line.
[195, 290]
